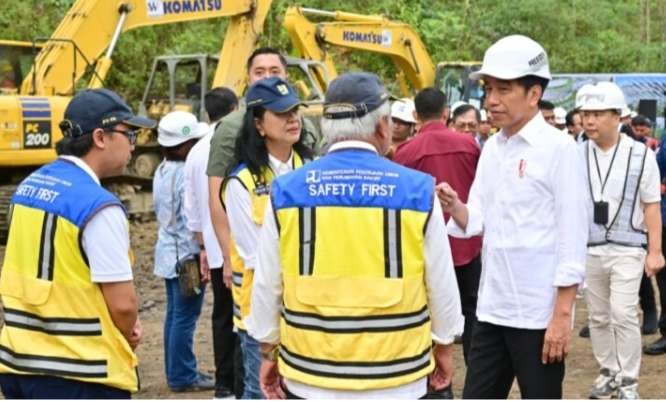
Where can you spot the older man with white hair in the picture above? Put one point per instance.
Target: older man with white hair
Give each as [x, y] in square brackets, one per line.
[354, 294]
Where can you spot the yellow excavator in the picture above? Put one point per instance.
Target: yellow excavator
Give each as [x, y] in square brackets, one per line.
[82, 46]
[377, 34]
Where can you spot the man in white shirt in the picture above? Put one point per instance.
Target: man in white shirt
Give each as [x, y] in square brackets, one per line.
[218, 103]
[624, 186]
[349, 307]
[526, 200]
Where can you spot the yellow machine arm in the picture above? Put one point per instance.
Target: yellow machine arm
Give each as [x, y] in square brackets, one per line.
[92, 26]
[371, 33]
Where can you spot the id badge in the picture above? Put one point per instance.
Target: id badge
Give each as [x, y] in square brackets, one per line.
[601, 212]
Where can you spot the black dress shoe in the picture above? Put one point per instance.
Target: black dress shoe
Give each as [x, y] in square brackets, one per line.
[200, 384]
[584, 332]
[446, 393]
[649, 323]
[657, 347]
[222, 392]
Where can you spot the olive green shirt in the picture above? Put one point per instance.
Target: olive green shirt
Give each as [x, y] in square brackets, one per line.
[224, 141]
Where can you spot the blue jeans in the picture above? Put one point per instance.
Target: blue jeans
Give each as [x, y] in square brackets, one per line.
[181, 318]
[251, 365]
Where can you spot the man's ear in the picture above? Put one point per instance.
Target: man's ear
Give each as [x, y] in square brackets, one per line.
[99, 139]
[534, 94]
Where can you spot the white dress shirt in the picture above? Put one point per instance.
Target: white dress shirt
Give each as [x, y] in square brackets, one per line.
[443, 298]
[105, 239]
[239, 210]
[649, 190]
[529, 201]
[197, 210]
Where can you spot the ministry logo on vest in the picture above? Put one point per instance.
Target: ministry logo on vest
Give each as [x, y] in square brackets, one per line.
[314, 176]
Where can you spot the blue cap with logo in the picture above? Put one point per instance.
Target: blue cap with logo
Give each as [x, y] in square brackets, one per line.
[99, 108]
[274, 94]
[361, 92]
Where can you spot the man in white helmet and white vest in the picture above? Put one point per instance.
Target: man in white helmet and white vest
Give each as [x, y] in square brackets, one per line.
[625, 219]
[526, 200]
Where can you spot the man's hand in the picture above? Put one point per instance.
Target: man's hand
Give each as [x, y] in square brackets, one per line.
[447, 196]
[557, 338]
[227, 274]
[270, 381]
[204, 268]
[653, 263]
[444, 367]
[137, 334]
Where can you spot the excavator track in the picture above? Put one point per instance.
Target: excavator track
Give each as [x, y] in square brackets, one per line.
[6, 192]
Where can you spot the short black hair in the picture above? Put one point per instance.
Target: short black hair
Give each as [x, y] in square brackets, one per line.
[265, 50]
[462, 109]
[569, 118]
[546, 105]
[529, 81]
[77, 146]
[430, 103]
[219, 102]
[641, 120]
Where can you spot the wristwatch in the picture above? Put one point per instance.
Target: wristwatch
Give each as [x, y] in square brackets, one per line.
[272, 354]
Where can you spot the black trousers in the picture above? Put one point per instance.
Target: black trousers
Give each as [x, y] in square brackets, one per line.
[468, 277]
[16, 386]
[224, 339]
[646, 295]
[499, 354]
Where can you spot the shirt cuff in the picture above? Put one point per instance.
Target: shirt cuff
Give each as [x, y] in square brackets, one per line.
[263, 334]
[474, 226]
[569, 274]
[447, 338]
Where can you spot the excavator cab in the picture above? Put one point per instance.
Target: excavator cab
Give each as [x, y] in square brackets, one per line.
[453, 79]
[178, 82]
[16, 58]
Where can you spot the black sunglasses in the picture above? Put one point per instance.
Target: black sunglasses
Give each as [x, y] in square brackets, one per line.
[130, 134]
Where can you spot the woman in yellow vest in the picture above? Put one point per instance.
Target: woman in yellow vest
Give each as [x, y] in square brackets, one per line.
[270, 145]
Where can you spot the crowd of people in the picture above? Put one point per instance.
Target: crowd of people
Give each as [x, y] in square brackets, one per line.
[347, 255]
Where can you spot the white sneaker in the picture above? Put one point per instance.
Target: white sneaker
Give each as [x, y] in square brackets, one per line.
[628, 389]
[604, 386]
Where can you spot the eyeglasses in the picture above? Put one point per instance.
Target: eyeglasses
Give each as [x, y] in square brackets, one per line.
[130, 134]
[466, 125]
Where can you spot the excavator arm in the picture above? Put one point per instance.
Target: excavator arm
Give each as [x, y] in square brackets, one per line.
[88, 34]
[371, 33]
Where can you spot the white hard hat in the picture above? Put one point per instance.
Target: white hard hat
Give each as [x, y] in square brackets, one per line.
[626, 112]
[456, 106]
[582, 91]
[603, 96]
[403, 109]
[178, 127]
[512, 57]
[560, 115]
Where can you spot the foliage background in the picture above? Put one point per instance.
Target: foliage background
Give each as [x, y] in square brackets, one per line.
[579, 35]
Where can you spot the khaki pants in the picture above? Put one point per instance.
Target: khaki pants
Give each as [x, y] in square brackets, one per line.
[612, 300]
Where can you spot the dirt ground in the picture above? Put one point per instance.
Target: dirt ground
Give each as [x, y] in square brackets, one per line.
[581, 368]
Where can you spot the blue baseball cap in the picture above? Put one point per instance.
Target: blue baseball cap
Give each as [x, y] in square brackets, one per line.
[99, 108]
[362, 92]
[274, 94]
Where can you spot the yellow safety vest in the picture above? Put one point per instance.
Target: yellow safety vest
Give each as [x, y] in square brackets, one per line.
[242, 278]
[56, 319]
[353, 267]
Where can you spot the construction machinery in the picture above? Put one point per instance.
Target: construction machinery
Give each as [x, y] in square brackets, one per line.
[378, 34]
[82, 46]
[15, 61]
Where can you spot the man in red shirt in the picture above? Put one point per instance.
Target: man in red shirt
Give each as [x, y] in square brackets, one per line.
[449, 157]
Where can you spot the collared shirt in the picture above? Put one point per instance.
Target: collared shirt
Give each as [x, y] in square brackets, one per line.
[648, 189]
[197, 209]
[174, 240]
[105, 239]
[450, 157]
[528, 199]
[443, 297]
[239, 210]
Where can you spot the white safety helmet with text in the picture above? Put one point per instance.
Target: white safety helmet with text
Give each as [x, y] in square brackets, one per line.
[513, 57]
[603, 96]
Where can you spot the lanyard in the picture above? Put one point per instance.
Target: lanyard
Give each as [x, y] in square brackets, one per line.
[610, 167]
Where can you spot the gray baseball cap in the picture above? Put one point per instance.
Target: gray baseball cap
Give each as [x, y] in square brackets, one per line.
[362, 92]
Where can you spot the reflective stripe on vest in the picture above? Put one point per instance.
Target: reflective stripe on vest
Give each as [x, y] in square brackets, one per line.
[357, 370]
[53, 325]
[57, 366]
[621, 229]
